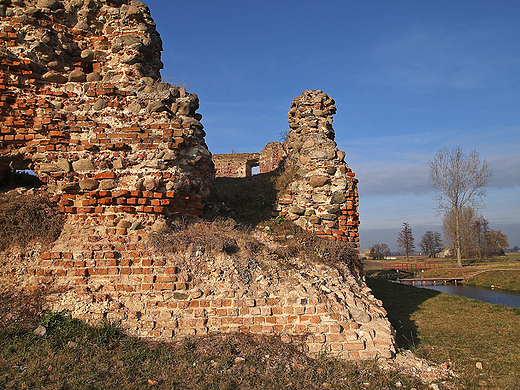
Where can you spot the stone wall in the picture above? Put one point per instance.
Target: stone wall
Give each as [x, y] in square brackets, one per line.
[83, 107]
[123, 278]
[241, 164]
[322, 194]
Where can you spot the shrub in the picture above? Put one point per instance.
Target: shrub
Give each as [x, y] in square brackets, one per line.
[26, 218]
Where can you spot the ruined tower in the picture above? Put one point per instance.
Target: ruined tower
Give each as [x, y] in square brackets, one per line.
[322, 194]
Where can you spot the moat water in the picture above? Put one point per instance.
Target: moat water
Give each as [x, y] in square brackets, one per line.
[497, 297]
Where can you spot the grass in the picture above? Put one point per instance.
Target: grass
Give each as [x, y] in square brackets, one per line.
[443, 328]
[212, 238]
[461, 331]
[505, 280]
[73, 355]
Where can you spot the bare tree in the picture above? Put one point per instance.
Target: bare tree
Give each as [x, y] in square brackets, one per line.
[431, 243]
[498, 241]
[405, 240]
[460, 179]
[379, 251]
[467, 240]
[481, 233]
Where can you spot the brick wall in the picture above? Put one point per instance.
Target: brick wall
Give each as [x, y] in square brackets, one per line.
[121, 278]
[94, 122]
[82, 105]
[240, 164]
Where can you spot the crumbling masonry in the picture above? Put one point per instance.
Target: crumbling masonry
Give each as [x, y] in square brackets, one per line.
[81, 105]
[322, 196]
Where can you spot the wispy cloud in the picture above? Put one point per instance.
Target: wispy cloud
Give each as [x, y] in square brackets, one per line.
[428, 56]
[398, 164]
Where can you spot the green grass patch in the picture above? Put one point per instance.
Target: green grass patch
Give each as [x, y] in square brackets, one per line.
[456, 330]
[505, 280]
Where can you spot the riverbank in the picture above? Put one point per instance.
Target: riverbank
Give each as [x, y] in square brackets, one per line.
[480, 341]
[498, 273]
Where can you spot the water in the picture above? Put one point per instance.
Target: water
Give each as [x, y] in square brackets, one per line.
[482, 294]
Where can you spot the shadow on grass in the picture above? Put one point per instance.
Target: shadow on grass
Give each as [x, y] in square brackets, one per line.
[401, 301]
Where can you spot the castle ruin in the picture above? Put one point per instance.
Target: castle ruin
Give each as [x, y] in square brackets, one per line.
[121, 153]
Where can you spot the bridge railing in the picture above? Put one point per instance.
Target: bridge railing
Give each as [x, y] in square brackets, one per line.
[409, 266]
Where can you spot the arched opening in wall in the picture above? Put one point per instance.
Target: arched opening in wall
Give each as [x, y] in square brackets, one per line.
[252, 167]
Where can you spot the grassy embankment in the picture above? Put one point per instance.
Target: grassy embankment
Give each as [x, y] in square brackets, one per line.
[462, 331]
[75, 356]
[443, 328]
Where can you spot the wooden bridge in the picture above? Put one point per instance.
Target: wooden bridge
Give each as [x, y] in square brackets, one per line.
[434, 281]
[409, 266]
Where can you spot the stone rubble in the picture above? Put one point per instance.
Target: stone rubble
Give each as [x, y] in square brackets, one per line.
[123, 154]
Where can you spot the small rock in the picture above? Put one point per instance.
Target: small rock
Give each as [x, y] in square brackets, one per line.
[40, 331]
[156, 106]
[64, 164]
[150, 183]
[318, 154]
[129, 59]
[107, 184]
[49, 167]
[134, 107]
[88, 184]
[51, 4]
[69, 188]
[318, 181]
[87, 54]
[239, 359]
[160, 226]
[124, 224]
[338, 198]
[99, 104]
[77, 76]
[147, 80]
[83, 165]
[295, 209]
[54, 77]
[479, 365]
[118, 163]
[94, 76]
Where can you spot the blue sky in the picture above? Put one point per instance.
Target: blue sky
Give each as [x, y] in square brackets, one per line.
[408, 77]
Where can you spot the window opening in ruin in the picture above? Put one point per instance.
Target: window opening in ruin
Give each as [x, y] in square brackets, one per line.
[251, 166]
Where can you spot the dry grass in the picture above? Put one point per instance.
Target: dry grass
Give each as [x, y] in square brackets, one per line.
[75, 356]
[456, 330]
[27, 218]
[286, 243]
[295, 242]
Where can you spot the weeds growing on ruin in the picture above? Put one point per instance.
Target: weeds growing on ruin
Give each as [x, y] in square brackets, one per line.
[228, 237]
[26, 218]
